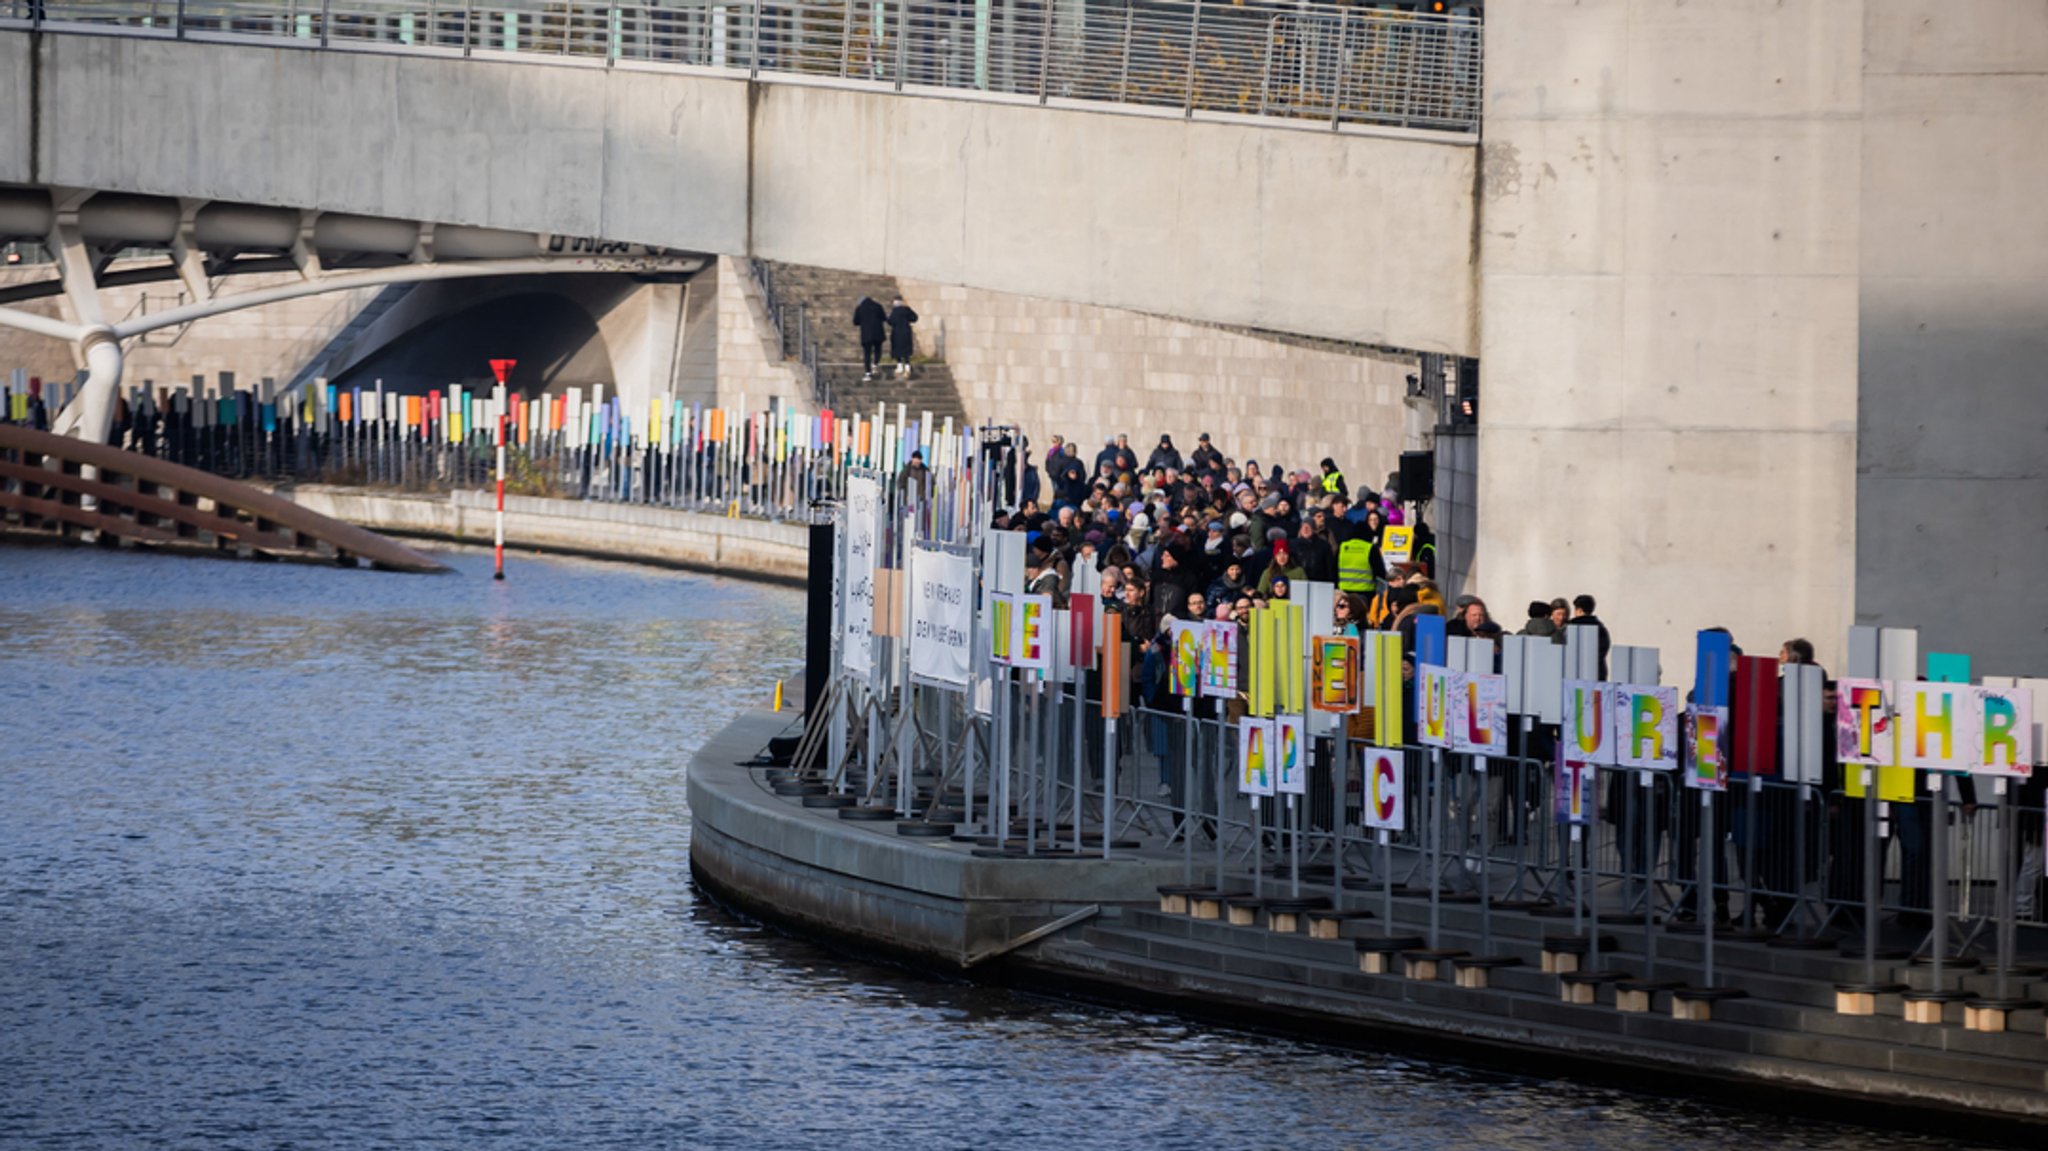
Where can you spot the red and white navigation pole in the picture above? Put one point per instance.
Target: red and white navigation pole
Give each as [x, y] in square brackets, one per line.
[500, 369]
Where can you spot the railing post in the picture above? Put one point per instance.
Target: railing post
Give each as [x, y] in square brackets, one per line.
[1123, 72]
[1266, 65]
[754, 35]
[468, 27]
[846, 42]
[1337, 85]
[902, 41]
[180, 17]
[1044, 46]
[1194, 45]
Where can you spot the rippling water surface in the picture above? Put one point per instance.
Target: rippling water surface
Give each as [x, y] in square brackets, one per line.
[313, 858]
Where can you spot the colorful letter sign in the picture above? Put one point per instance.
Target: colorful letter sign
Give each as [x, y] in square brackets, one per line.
[1334, 661]
[1255, 756]
[1646, 727]
[1033, 647]
[2008, 714]
[1588, 734]
[1706, 762]
[1383, 654]
[1574, 791]
[1219, 659]
[1002, 628]
[1189, 639]
[1938, 726]
[1479, 714]
[1433, 687]
[1385, 781]
[1290, 748]
[1863, 721]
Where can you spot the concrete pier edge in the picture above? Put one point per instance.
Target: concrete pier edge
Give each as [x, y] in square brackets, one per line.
[862, 890]
[742, 548]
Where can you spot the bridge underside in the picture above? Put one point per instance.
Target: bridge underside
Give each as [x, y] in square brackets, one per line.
[203, 243]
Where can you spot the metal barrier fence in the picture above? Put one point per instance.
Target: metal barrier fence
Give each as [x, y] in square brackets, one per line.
[969, 697]
[1788, 859]
[1300, 61]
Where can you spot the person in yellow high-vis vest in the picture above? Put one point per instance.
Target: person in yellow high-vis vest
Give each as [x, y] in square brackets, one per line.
[1354, 565]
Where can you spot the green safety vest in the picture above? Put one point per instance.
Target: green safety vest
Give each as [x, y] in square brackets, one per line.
[1331, 481]
[1354, 566]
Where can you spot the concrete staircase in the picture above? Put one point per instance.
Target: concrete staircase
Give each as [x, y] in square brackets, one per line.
[1786, 1028]
[828, 298]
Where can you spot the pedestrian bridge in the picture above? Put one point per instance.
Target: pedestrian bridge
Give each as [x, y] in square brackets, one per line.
[1303, 169]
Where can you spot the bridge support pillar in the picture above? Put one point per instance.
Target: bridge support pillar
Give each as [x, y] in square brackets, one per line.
[90, 415]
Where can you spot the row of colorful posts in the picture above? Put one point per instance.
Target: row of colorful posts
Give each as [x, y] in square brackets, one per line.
[777, 462]
[939, 616]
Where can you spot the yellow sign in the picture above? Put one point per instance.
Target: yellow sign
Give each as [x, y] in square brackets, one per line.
[1397, 545]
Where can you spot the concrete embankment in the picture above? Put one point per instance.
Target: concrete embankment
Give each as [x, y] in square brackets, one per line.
[746, 548]
[1781, 1044]
[932, 902]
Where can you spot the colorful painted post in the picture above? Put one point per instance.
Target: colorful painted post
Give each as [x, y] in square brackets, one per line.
[500, 369]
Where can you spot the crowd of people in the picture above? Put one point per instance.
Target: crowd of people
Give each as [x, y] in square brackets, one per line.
[1200, 536]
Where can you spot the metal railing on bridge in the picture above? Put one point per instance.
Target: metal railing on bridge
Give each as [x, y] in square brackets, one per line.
[1321, 62]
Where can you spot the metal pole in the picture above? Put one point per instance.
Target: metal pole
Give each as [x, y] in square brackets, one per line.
[2006, 874]
[1108, 781]
[1187, 796]
[1044, 46]
[1294, 819]
[1123, 75]
[1750, 803]
[1266, 63]
[1080, 720]
[1485, 806]
[902, 41]
[846, 40]
[1031, 756]
[1337, 82]
[1647, 784]
[1436, 833]
[1871, 888]
[1708, 852]
[498, 517]
[1938, 890]
[754, 36]
[1386, 879]
[1340, 779]
[1591, 864]
[1188, 104]
[1258, 821]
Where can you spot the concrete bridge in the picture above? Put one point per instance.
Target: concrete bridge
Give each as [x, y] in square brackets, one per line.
[1038, 195]
[1757, 287]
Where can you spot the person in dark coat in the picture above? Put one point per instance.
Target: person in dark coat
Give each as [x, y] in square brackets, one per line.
[1164, 456]
[901, 343]
[869, 317]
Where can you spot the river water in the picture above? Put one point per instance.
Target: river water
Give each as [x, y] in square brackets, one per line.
[302, 857]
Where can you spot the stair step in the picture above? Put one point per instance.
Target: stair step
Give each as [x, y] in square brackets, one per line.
[1807, 1014]
[828, 298]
